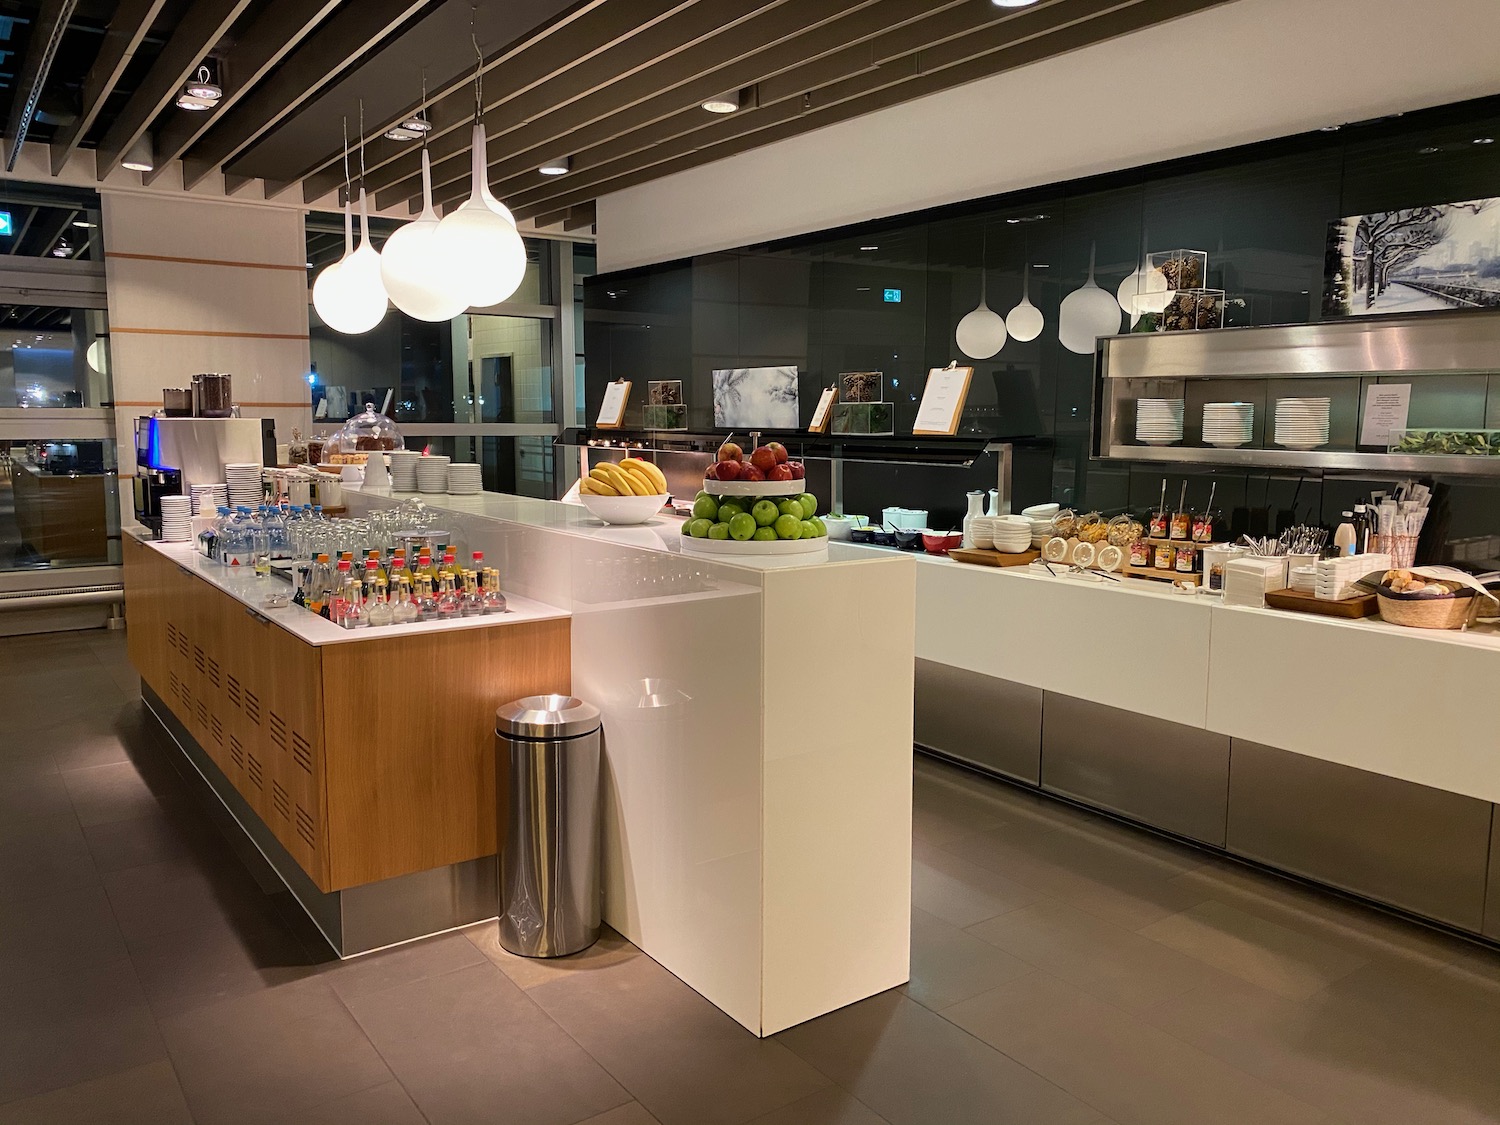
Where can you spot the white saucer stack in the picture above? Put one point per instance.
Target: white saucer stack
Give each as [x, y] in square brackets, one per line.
[432, 474]
[208, 498]
[1302, 423]
[1158, 421]
[404, 469]
[243, 480]
[464, 479]
[176, 519]
[1228, 424]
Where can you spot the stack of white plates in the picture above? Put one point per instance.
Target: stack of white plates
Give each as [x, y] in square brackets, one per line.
[1158, 421]
[1041, 516]
[432, 474]
[1011, 534]
[243, 480]
[464, 479]
[1228, 424]
[176, 519]
[1301, 423]
[208, 498]
[404, 469]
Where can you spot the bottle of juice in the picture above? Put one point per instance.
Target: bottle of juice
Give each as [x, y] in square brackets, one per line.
[448, 606]
[339, 601]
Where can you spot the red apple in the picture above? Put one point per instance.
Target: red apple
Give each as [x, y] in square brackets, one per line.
[728, 470]
[712, 472]
[730, 452]
[764, 458]
[753, 473]
[798, 471]
[778, 451]
[779, 473]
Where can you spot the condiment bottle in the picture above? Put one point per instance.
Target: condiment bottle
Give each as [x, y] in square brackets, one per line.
[494, 600]
[339, 603]
[427, 606]
[379, 611]
[1344, 537]
[448, 604]
[405, 610]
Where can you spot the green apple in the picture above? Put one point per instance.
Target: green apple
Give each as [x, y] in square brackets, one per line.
[809, 530]
[765, 512]
[705, 507]
[742, 526]
[790, 507]
[698, 528]
[788, 527]
[729, 509]
[687, 527]
[809, 504]
[764, 535]
[719, 530]
[819, 526]
[702, 494]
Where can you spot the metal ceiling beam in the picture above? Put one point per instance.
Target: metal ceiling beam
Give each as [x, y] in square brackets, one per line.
[534, 62]
[129, 27]
[273, 36]
[964, 60]
[203, 25]
[15, 243]
[846, 44]
[62, 229]
[338, 43]
[41, 49]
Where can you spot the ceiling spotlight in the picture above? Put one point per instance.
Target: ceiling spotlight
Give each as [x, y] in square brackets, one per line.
[141, 157]
[195, 103]
[412, 129]
[61, 250]
[1428, 150]
[1013, 3]
[721, 105]
[869, 248]
[202, 86]
[1484, 140]
[559, 167]
[83, 224]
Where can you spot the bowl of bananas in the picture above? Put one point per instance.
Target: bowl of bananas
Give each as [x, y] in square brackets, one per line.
[624, 492]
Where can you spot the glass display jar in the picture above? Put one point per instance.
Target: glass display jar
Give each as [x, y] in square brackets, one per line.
[367, 432]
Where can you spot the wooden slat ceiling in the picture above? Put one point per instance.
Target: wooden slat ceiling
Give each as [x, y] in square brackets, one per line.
[615, 86]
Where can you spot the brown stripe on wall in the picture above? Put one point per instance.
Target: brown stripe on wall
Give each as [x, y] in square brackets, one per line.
[214, 335]
[205, 262]
[275, 405]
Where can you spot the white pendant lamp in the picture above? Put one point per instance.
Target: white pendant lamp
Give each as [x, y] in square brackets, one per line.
[349, 295]
[1025, 321]
[1145, 290]
[1086, 314]
[411, 269]
[477, 245]
[981, 333]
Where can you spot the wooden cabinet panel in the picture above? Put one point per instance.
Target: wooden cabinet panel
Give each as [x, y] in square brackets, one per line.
[409, 733]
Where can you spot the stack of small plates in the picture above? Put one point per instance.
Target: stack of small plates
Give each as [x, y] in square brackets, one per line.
[1011, 534]
[244, 484]
[1158, 421]
[208, 498]
[1228, 424]
[176, 519]
[432, 474]
[404, 469]
[1041, 517]
[1301, 423]
[464, 479]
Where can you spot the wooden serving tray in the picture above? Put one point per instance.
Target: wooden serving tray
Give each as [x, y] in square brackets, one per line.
[1192, 578]
[1362, 606]
[993, 558]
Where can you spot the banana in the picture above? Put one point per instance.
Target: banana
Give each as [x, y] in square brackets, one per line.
[601, 486]
[627, 482]
[586, 484]
[615, 477]
[639, 475]
[638, 484]
[658, 478]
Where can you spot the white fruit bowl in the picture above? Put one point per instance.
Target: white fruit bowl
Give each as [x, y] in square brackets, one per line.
[754, 487]
[751, 547]
[623, 509]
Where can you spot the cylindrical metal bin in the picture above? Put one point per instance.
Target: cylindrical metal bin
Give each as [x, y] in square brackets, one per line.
[547, 777]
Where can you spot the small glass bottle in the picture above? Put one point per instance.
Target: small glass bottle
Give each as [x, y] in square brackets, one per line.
[494, 600]
[405, 610]
[379, 611]
[354, 603]
[339, 602]
[448, 604]
[427, 606]
[472, 602]
[316, 593]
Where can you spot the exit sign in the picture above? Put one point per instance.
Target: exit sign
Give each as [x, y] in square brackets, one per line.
[7, 228]
[893, 296]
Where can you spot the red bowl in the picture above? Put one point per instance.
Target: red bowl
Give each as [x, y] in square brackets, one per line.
[937, 544]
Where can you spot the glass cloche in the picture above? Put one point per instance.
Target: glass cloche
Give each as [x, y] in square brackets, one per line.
[366, 432]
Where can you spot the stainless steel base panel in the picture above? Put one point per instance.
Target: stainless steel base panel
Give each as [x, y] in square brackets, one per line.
[1164, 774]
[979, 720]
[1417, 848]
[356, 920]
[1492, 895]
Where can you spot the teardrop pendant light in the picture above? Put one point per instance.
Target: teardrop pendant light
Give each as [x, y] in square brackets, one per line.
[981, 333]
[411, 270]
[1145, 290]
[326, 292]
[1086, 314]
[1025, 321]
[349, 295]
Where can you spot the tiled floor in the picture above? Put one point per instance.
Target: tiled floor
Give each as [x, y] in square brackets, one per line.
[1065, 970]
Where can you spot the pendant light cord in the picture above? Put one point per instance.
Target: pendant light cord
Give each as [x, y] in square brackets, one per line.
[478, 65]
[361, 145]
[348, 191]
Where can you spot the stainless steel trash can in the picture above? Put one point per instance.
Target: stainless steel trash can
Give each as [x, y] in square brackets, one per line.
[547, 778]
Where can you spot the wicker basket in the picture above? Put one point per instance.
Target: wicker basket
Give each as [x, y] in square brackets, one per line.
[1428, 613]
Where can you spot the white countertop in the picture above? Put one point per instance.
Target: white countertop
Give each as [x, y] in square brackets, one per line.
[308, 627]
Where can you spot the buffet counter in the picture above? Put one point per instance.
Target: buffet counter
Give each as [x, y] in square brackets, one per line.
[1354, 752]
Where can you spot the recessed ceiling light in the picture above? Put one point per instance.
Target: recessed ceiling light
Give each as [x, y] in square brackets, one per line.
[559, 167]
[869, 248]
[83, 224]
[1328, 129]
[862, 289]
[1484, 140]
[1041, 265]
[1013, 3]
[1429, 150]
[721, 105]
[412, 129]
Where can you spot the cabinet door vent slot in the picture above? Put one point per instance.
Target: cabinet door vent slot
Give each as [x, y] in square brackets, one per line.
[200, 661]
[280, 801]
[202, 712]
[252, 707]
[213, 673]
[278, 730]
[236, 751]
[171, 635]
[234, 692]
[183, 644]
[301, 751]
[173, 685]
[307, 827]
[253, 768]
[218, 729]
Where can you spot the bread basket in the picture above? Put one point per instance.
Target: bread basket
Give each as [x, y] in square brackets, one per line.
[1428, 613]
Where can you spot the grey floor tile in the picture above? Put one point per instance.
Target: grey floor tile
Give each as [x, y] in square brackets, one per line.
[82, 743]
[171, 833]
[962, 893]
[528, 972]
[830, 1106]
[267, 1057]
[116, 791]
[631, 1113]
[470, 1046]
[682, 1058]
[181, 894]
[948, 965]
[1130, 1070]
[142, 1095]
[416, 960]
[83, 1023]
[1115, 964]
[41, 856]
[28, 793]
[73, 928]
[913, 1067]
[386, 1104]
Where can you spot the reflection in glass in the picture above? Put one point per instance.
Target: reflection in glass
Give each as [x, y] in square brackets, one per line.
[53, 358]
[58, 504]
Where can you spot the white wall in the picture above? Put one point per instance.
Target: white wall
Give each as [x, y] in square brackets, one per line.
[1265, 68]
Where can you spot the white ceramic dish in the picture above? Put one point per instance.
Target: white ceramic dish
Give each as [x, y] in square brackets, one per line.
[622, 509]
[811, 548]
[754, 487]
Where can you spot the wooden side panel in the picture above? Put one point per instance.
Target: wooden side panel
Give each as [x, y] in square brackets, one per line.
[409, 735]
[145, 628]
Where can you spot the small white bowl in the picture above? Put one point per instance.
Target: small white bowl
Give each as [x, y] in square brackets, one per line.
[622, 509]
[839, 527]
[1041, 511]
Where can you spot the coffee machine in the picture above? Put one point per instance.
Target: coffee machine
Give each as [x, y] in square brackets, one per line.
[173, 454]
